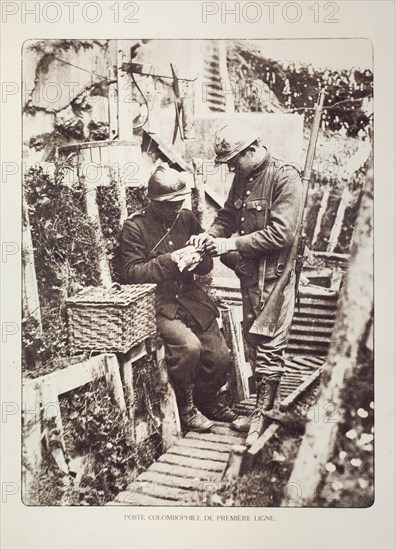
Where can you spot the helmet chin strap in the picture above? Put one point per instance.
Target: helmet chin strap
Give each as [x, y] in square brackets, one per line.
[168, 231]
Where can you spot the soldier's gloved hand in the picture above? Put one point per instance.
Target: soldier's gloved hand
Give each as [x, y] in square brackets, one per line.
[219, 246]
[200, 241]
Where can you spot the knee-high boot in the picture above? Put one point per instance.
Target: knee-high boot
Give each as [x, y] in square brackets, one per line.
[266, 394]
[191, 418]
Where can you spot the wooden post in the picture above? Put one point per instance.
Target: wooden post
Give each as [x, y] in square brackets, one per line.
[125, 102]
[113, 89]
[30, 299]
[337, 226]
[321, 212]
[235, 460]
[171, 426]
[92, 211]
[188, 110]
[197, 164]
[113, 377]
[352, 325]
[31, 440]
[154, 97]
[240, 373]
[126, 361]
[53, 425]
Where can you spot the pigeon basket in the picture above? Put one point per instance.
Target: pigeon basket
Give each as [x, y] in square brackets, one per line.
[114, 319]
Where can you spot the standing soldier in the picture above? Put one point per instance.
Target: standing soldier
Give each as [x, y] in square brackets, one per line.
[253, 233]
[153, 250]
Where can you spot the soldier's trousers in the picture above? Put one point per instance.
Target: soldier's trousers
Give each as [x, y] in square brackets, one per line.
[194, 356]
[266, 354]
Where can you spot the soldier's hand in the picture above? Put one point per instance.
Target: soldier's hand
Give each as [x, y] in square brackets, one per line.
[219, 246]
[186, 258]
[200, 241]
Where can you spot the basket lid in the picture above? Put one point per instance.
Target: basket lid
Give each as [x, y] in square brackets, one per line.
[120, 295]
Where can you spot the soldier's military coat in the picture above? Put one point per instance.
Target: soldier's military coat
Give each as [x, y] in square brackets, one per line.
[144, 261]
[263, 211]
[196, 351]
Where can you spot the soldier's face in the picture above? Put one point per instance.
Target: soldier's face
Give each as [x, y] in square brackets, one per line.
[167, 210]
[243, 163]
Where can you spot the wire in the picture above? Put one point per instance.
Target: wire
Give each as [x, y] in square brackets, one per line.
[85, 70]
[145, 101]
[331, 106]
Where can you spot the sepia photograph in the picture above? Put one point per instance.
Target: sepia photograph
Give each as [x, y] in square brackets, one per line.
[197, 274]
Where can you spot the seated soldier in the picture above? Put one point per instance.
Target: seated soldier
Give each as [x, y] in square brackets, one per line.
[153, 250]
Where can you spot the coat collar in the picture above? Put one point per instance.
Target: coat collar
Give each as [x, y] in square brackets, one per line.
[262, 166]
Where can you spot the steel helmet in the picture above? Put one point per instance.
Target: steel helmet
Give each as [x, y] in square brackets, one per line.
[167, 184]
[231, 140]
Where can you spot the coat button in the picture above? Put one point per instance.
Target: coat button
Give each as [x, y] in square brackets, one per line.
[176, 295]
[242, 219]
[241, 232]
[244, 204]
[248, 192]
[250, 179]
[170, 243]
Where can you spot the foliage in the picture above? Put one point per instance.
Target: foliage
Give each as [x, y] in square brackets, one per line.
[65, 261]
[350, 471]
[58, 46]
[296, 88]
[98, 131]
[136, 198]
[95, 428]
[349, 476]
[150, 387]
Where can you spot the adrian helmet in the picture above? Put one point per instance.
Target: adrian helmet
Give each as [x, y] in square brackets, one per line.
[231, 140]
[167, 184]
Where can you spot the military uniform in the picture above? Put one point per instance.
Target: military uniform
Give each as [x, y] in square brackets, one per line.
[196, 352]
[263, 210]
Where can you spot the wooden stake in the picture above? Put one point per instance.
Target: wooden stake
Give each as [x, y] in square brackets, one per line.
[337, 226]
[30, 299]
[53, 422]
[321, 212]
[92, 211]
[242, 372]
[31, 439]
[171, 426]
[197, 164]
[114, 378]
[235, 460]
[125, 103]
[126, 361]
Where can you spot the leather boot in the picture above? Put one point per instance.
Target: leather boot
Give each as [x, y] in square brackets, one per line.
[266, 395]
[191, 418]
[217, 411]
[241, 424]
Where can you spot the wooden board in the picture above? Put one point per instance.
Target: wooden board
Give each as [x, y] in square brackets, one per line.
[203, 454]
[126, 498]
[172, 480]
[207, 445]
[138, 488]
[184, 471]
[234, 439]
[196, 463]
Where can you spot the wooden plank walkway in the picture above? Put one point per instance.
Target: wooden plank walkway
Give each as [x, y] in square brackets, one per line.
[197, 462]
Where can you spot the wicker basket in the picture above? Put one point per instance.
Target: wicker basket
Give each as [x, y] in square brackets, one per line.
[112, 319]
